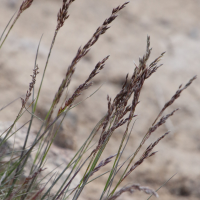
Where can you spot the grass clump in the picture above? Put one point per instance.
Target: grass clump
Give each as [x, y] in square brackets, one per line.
[120, 112]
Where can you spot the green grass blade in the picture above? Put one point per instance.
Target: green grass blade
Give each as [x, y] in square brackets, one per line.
[7, 26]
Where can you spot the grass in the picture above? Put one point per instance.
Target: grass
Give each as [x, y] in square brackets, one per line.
[120, 112]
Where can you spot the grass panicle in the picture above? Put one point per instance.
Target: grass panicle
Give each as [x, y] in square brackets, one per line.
[132, 189]
[87, 160]
[80, 54]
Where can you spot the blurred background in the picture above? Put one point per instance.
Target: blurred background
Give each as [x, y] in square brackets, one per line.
[174, 27]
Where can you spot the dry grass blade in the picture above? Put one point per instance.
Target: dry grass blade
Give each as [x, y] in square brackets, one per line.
[132, 189]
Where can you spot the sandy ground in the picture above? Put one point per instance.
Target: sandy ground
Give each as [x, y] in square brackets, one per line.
[173, 26]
